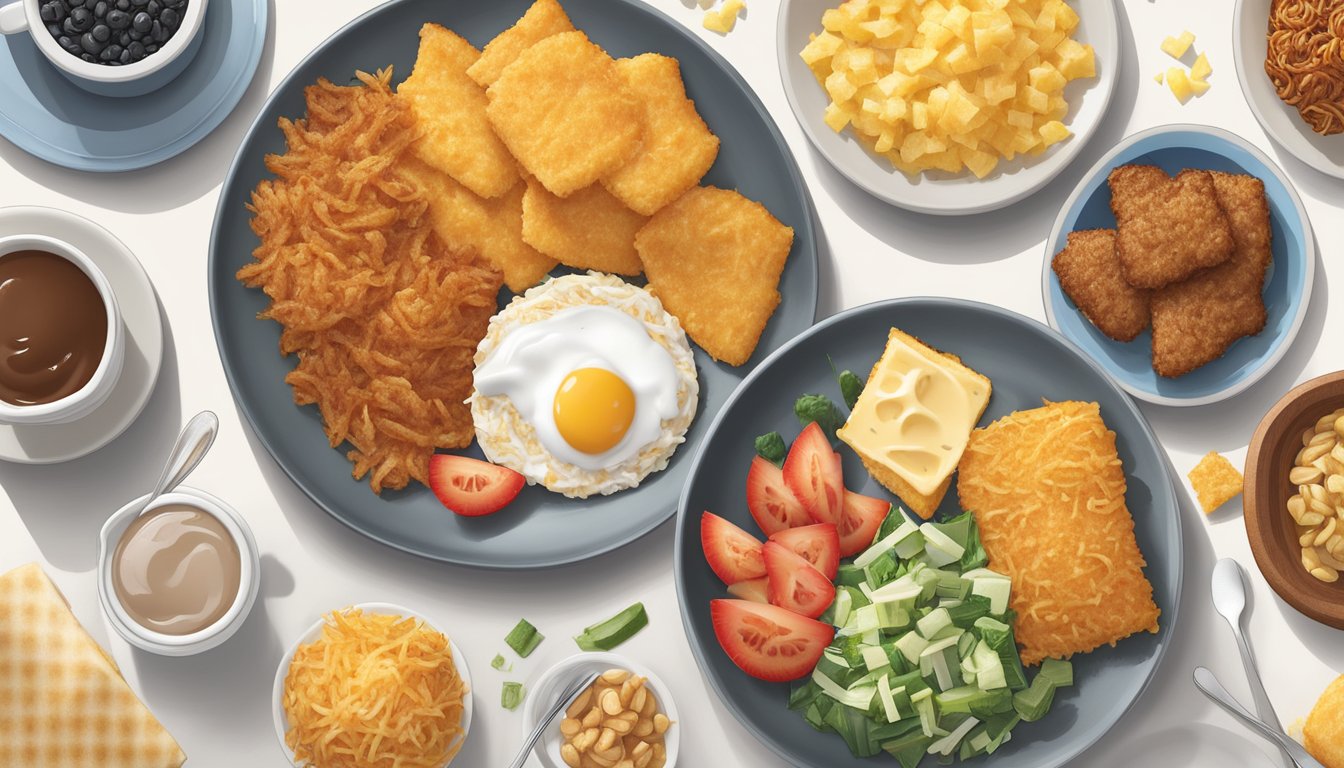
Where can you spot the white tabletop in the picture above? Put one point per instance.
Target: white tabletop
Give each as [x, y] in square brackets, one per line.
[217, 704]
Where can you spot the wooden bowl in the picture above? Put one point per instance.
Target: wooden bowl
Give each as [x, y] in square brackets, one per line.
[1269, 527]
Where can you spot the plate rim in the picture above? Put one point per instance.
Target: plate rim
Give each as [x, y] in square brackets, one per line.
[1309, 241]
[1332, 169]
[1171, 613]
[1070, 153]
[23, 140]
[805, 230]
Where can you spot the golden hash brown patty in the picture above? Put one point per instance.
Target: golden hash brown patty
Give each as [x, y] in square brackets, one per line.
[1089, 272]
[1048, 492]
[1166, 229]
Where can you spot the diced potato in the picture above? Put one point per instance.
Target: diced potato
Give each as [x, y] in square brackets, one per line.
[1035, 99]
[958, 19]
[839, 87]
[1179, 84]
[822, 46]
[836, 117]
[1044, 77]
[1201, 69]
[980, 163]
[1175, 47]
[1054, 132]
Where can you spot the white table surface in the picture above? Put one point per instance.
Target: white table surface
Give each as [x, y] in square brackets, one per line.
[217, 704]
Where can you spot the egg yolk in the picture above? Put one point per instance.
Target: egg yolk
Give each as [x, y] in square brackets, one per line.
[593, 409]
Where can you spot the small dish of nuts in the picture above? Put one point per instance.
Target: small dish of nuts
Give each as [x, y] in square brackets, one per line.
[625, 719]
[1294, 498]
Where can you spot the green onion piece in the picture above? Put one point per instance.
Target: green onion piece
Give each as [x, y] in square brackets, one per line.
[606, 635]
[524, 638]
[770, 447]
[498, 663]
[851, 386]
[821, 409]
[511, 696]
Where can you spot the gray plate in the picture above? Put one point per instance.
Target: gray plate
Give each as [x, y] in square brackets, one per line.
[540, 528]
[1026, 362]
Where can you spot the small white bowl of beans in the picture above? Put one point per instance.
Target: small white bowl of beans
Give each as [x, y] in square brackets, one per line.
[626, 719]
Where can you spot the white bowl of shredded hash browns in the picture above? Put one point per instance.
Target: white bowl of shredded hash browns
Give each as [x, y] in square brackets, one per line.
[374, 685]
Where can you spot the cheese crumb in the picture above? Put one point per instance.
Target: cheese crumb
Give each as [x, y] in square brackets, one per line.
[1179, 84]
[1201, 69]
[1177, 46]
[1215, 481]
[1158, 78]
[724, 19]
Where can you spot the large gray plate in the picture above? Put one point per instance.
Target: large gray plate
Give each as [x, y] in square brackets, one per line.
[539, 529]
[1026, 362]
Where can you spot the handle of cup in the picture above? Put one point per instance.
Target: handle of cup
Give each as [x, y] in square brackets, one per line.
[13, 18]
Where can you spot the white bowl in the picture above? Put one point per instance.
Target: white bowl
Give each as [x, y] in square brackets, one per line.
[552, 682]
[149, 74]
[1250, 40]
[87, 399]
[281, 721]
[180, 645]
[939, 192]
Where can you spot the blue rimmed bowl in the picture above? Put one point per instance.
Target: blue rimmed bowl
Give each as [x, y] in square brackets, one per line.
[1287, 286]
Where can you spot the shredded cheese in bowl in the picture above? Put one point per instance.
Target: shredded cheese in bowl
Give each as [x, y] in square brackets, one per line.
[374, 691]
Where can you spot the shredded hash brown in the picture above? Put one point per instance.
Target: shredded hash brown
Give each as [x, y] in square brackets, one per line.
[1048, 491]
[384, 317]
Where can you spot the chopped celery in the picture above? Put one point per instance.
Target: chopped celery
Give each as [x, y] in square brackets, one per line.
[933, 622]
[524, 638]
[895, 519]
[511, 696]
[939, 548]
[1057, 671]
[1032, 703]
[606, 635]
[499, 663]
[849, 575]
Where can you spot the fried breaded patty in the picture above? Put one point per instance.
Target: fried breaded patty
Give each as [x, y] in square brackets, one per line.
[714, 259]
[678, 147]
[450, 110]
[1048, 492]
[590, 229]
[1196, 320]
[1166, 229]
[543, 19]
[1323, 734]
[563, 110]
[1089, 273]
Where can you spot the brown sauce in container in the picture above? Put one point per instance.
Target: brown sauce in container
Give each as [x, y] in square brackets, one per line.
[53, 328]
[176, 570]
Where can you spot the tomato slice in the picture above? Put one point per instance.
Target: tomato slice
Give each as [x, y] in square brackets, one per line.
[772, 505]
[794, 584]
[471, 487]
[733, 554]
[768, 642]
[755, 590]
[860, 517]
[812, 471]
[818, 544]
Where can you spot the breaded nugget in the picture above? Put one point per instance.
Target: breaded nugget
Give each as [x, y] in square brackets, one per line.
[1048, 492]
[563, 110]
[1089, 272]
[1166, 229]
[590, 229]
[450, 108]
[714, 258]
[1195, 321]
[491, 227]
[678, 147]
[1215, 481]
[543, 19]
[1323, 734]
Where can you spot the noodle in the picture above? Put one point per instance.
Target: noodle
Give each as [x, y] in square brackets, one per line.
[1305, 60]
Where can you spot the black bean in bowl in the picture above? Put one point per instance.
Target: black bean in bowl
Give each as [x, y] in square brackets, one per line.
[112, 32]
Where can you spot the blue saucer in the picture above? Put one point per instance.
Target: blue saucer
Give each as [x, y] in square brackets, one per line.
[48, 117]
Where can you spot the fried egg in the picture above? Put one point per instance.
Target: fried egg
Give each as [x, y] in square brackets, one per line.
[584, 385]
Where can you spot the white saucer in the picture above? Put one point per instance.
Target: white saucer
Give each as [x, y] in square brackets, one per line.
[144, 341]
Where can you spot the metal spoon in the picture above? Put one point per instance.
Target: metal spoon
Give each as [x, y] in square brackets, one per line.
[1229, 599]
[566, 697]
[190, 448]
[1209, 686]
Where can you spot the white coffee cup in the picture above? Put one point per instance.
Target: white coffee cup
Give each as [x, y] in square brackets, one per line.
[95, 392]
[135, 79]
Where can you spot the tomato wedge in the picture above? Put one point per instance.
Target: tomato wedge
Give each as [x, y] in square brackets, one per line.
[733, 554]
[812, 471]
[755, 590]
[772, 505]
[768, 642]
[818, 544]
[471, 487]
[860, 517]
[794, 584]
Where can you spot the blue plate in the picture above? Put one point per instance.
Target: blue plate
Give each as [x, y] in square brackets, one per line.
[1287, 286]
[49, 117]
[539, 528]
[1026, 362]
